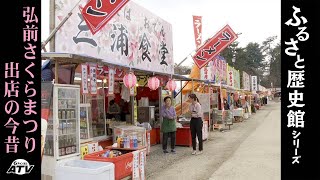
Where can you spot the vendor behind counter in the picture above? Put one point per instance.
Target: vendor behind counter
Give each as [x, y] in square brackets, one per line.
[113, 111]
[118, 111]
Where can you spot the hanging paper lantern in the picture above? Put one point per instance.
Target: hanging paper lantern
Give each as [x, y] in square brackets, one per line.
[153, 83]
[129, 80]
[171, 85]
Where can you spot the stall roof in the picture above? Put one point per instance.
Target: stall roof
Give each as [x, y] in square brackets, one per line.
[69, 58]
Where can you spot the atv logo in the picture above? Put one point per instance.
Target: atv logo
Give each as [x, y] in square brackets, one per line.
[20, 167]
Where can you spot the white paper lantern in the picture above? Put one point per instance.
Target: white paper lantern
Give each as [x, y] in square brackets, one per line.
[129, 80]
[153, 83]
[171, 85]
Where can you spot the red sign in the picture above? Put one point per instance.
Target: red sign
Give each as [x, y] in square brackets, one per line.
[214, 46]
[197, 28]
[98, 13]
[103, 71]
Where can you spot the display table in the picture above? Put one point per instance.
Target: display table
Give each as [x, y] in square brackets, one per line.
[123, 164]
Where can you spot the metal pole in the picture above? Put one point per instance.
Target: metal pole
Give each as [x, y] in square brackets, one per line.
[181, 95]
[192, 86]
[56, 76]
[209, 88]
[52, 10]
[52, 24]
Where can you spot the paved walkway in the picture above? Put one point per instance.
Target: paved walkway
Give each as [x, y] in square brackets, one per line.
[250, 150]
[258, 157]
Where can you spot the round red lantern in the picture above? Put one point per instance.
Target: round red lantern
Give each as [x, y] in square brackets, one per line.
[129, 80]
[153, 83]
[171, 85]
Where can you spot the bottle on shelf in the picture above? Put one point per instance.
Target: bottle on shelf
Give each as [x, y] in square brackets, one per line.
[121, 143]
[118, 141]
[135, 142]
[60, 147]
[74, 145]
[45, 149]
[131, 142]
[60, 128]
[127, 142]
[63, 146]
[59, 114]
[67, 145]
[50, 147]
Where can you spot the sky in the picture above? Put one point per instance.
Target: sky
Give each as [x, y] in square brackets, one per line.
[255, 19]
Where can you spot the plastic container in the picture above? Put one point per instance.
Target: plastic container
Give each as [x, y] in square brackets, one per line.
[123, 163]
[84, 170]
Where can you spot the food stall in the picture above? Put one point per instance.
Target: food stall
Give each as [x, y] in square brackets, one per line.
[207, 98]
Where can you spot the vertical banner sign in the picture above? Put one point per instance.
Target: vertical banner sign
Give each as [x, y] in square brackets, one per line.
[142, 164]
[221, 99]
[245, 81]
[230, 76]
[218, 71]
[254, 84]
[206, 72]
[214, 70]
[224, 72]
[20, 81]
[149, 143]
[93, 79]
[214, 46]
[197, 29]
[111, 81]
[84, 78]
[236, 79]
[300, 122]
[135, 166]
[46, 98]
[97, 13]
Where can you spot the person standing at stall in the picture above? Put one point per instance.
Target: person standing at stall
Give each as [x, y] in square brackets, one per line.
[168, 128]
[196, 123]
[113, 110]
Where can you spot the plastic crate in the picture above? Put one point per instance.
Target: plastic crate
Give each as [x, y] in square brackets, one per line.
[123, 163]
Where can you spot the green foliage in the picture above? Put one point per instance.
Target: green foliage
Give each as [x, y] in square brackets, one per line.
[263, 60]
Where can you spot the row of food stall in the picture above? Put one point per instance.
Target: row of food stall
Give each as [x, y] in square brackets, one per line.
[106, 92]
[91, 133]
[79, 125]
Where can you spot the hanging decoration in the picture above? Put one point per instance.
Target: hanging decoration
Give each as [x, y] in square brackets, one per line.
[129, 80]
[171, 85]
[153, 83]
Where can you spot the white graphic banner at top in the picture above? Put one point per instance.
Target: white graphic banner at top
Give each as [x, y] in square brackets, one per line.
[134, 37]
